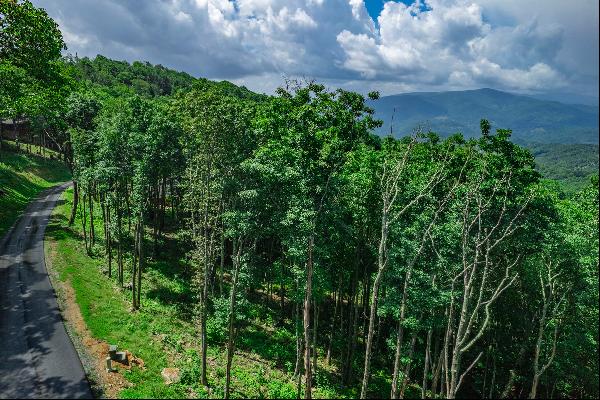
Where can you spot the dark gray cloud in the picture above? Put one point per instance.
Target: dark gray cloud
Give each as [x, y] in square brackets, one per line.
[532, 47]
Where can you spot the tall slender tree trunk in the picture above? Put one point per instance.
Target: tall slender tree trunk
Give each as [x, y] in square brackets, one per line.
[204, 291]
[232, 304]
[454, 370]
[84, 224]
[350, 329]
[120, 244]
[163, 207]
[396, 373]
[493, 384]
[172, 198]
[445, 351]
[104, 225]
[299, 352]
[408, 366]
[337, 295]
[443, 380]
[426, 363]
[203, 338]
[134, 268]
[377, 335]
[105, 220]
[109, 241]
[282, 294]
[315, 332]
[366, 284]
[460, 331]
[222, 260]
[382, 263]
[537, 370]
[438, 369]
[75, 202]
[142, 260]
[306, 319]
[343, 322]
[156, 218]
[353, 337]
[127, 203]
[91, 205]
[203, 344]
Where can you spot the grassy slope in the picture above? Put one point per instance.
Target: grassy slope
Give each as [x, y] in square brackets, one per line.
[161, 332]
[22, 177]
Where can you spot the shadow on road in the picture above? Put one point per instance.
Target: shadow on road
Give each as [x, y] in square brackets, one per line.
[37, 357]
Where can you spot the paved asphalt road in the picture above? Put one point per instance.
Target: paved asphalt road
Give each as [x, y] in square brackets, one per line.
[37, 357]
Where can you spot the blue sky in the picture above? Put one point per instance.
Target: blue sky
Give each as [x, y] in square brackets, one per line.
[539, 47]
[374, 7]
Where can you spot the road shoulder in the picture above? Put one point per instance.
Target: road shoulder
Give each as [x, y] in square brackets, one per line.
[92, 352]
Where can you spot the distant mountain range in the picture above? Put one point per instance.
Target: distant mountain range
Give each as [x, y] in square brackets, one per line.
[531, 120]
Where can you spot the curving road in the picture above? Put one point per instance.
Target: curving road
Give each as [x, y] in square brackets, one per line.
[37, 357]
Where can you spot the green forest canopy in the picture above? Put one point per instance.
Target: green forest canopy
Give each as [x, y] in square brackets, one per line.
[145, 79]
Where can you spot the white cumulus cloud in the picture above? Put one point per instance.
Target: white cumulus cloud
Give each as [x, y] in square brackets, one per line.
[532, 46]
[450, 43]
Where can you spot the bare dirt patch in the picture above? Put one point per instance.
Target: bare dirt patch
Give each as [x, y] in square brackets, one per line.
[92, 352]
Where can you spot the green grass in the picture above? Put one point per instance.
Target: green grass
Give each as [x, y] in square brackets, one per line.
[163, 333]
[22, 177]
[150, 334]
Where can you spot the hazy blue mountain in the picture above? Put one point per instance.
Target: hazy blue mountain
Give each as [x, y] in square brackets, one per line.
[531, 119]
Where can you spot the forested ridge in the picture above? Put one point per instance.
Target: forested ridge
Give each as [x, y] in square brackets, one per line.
[143, 78]
[415, 267]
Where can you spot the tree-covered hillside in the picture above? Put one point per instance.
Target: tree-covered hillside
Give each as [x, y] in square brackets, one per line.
[531, 120]
[145, 79]
[571, 164]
